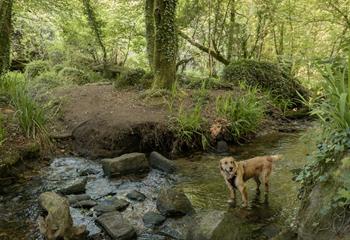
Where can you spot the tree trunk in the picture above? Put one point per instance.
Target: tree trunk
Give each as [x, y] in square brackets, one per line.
[231, 33]
[150, 31]
[165, 47]
[5, 33]
[96, 28]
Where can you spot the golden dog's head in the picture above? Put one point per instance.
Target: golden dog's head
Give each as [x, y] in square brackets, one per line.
[228, 166]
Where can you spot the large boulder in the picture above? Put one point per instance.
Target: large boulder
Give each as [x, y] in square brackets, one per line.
[57, 222]
[131, 163]
[116, 227]
[160, 162]
[172, 203]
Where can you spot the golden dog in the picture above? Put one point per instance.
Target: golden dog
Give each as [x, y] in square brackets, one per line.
[237, 173]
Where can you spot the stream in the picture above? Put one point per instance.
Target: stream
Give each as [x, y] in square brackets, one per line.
[198, 176]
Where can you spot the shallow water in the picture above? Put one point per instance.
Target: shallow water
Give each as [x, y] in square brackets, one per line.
[198, 176]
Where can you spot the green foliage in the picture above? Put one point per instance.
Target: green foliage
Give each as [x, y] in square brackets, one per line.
[342, 199]
[130, 77]
[35, 68]
[333, 109]
[30, 115]
[267, 76]
[243, 113]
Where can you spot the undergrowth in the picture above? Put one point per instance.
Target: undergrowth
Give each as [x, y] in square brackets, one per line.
[333, 111]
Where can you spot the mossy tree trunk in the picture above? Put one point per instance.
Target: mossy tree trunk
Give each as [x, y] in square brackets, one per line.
[150, 31]
[5, 33]
[165, 43]
[231, 31]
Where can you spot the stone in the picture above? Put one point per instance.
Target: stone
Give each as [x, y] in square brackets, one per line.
[160, 162]
[151, 219]
[57, 222]
[172, 203]
[116, 227]
[171, 233]
[131, 163]
[222, 147]
[74, 187]
[84, 204]
[204, 225]
[136, 196]
[74, 198]
[111, 205]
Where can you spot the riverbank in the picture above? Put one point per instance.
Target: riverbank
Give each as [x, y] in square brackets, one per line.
[99, 121]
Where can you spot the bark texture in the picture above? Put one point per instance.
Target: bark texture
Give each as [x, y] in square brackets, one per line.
[150, 31]
[5, 34]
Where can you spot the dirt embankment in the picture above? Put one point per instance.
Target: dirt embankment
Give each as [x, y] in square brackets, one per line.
[98, 121]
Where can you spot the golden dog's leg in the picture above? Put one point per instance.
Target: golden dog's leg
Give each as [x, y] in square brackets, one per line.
[265, 179]
[232, 191]
[244, 194]
[258, 183]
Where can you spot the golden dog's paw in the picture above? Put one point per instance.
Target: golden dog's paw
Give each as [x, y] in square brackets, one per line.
[231, 201]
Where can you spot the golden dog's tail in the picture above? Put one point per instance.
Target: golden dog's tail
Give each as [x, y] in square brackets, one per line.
[275, 157]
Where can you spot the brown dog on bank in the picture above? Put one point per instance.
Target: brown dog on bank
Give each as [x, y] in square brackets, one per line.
[237, 173]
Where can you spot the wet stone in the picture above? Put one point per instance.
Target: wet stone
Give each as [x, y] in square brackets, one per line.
[132, 163]
[170, 232]
[222, 147]
[172, 203]
[116, 227]
[111, 205]
[151, 219]
[87, 204]
[77, 198]
[136, 196]
[88, 172]
[74, 187]
[160, 162]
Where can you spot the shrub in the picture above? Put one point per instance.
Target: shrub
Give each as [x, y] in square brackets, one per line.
[35, 68]
[74, 75]
[243, 114]
[267, 76]
[130, 77]
[48, 80]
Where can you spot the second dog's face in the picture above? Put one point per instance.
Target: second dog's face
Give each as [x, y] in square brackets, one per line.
[228, 166]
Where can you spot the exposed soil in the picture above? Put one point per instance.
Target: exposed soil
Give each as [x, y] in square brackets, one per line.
[102, 122]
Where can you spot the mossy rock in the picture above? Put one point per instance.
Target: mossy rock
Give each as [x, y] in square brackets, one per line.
[35, 68]
[8, 159]
[130, 77]
[266, 75]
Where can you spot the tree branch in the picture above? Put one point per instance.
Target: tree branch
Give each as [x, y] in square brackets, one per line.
[211, 52]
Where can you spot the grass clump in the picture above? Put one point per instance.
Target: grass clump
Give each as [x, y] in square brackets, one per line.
[267, 76]
[30, 115]
[243, 114]
[188, 127]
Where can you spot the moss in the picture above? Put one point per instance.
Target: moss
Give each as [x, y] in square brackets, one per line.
[35, 68]
[8, 159]
[266, 75]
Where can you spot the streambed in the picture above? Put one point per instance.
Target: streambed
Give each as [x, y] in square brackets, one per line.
[198, 176]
